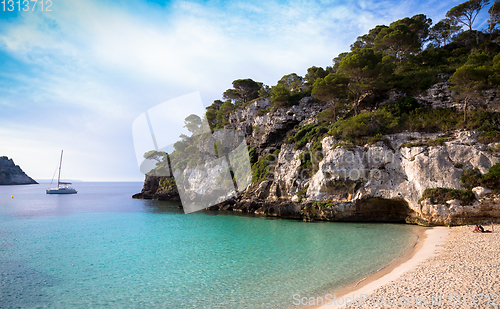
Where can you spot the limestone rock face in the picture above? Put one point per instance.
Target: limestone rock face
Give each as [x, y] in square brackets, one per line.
[265, 129]
[11, 174]
[395, 171]
[440, 96]
[480, 192]
[287, 179]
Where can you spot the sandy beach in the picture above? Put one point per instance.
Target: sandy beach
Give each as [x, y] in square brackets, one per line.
[453, 268]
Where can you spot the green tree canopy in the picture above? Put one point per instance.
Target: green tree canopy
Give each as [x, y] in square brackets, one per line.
[292, 82]
[363, 67]
[244, 90]
[313, 73]
[223, 112]
[264, 91]
[466, 13]
[467, 81]
[494, 20]
[478, 58]
[333, 89]
[232, 95]
[336, 61]
[398, 40]
[280, 95]
[192, 123]
[496, 64]
[367, 40]
[442, 32]
[211, 113]
[495, 78]
[419, 24]
[155, 155]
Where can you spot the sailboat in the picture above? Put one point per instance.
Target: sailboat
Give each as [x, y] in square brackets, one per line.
[62, 187]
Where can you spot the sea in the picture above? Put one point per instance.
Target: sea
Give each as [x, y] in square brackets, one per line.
[101, 248]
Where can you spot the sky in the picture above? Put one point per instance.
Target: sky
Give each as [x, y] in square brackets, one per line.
[76, 77]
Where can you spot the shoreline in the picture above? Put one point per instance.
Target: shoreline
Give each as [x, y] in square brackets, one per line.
[427, 246]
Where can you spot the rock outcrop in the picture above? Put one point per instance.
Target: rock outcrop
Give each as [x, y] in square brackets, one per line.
[383, 181]
[152, 190]
[440, 96]
[379, 182]
[266, 130]
[394, 169]
[11, 174]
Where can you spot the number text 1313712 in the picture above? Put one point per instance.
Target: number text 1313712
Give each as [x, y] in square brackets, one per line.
[26, 5]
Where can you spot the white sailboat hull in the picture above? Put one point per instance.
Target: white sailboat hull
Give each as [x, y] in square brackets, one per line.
[62, 187]
[61, 191]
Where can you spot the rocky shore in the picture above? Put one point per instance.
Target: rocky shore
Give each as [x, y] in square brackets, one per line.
[381, 181]
[11, 174]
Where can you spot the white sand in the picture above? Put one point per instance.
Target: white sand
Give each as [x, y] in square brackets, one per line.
[465, 266]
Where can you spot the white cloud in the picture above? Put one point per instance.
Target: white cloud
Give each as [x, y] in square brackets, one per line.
[95, 66]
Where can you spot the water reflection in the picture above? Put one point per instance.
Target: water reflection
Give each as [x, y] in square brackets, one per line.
[152, 206]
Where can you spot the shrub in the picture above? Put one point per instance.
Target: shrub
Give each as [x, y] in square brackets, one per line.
[306, 134]
[473, 178]
[388, 120]
[441, 195]
[167, 183]
[492, 178]
[323, 204]
[488, 137]
[470, 178]
[403, 105]
[415, 82]
[261, 169]
[302, 192]
[306, 165]
[436, 142]
[432, 142]
[326, 115]
[252, 154]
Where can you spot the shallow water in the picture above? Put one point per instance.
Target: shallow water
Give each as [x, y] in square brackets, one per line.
[102, 248]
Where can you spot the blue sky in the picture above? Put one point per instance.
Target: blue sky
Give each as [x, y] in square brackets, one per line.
[76, 78]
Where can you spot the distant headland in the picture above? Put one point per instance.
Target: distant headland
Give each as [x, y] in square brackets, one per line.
[11, 174]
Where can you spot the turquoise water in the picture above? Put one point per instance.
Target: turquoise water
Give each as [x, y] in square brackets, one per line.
[101, 248]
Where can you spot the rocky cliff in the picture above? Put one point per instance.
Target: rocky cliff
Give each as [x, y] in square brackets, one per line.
[381, 181]
[11, 174]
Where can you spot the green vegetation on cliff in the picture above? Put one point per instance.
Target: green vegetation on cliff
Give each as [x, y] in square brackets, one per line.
[407, 57]
[473, 178]
[470, 179]
[441, 195]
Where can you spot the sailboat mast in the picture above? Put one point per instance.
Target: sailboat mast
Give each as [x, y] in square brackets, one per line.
[59, 176]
